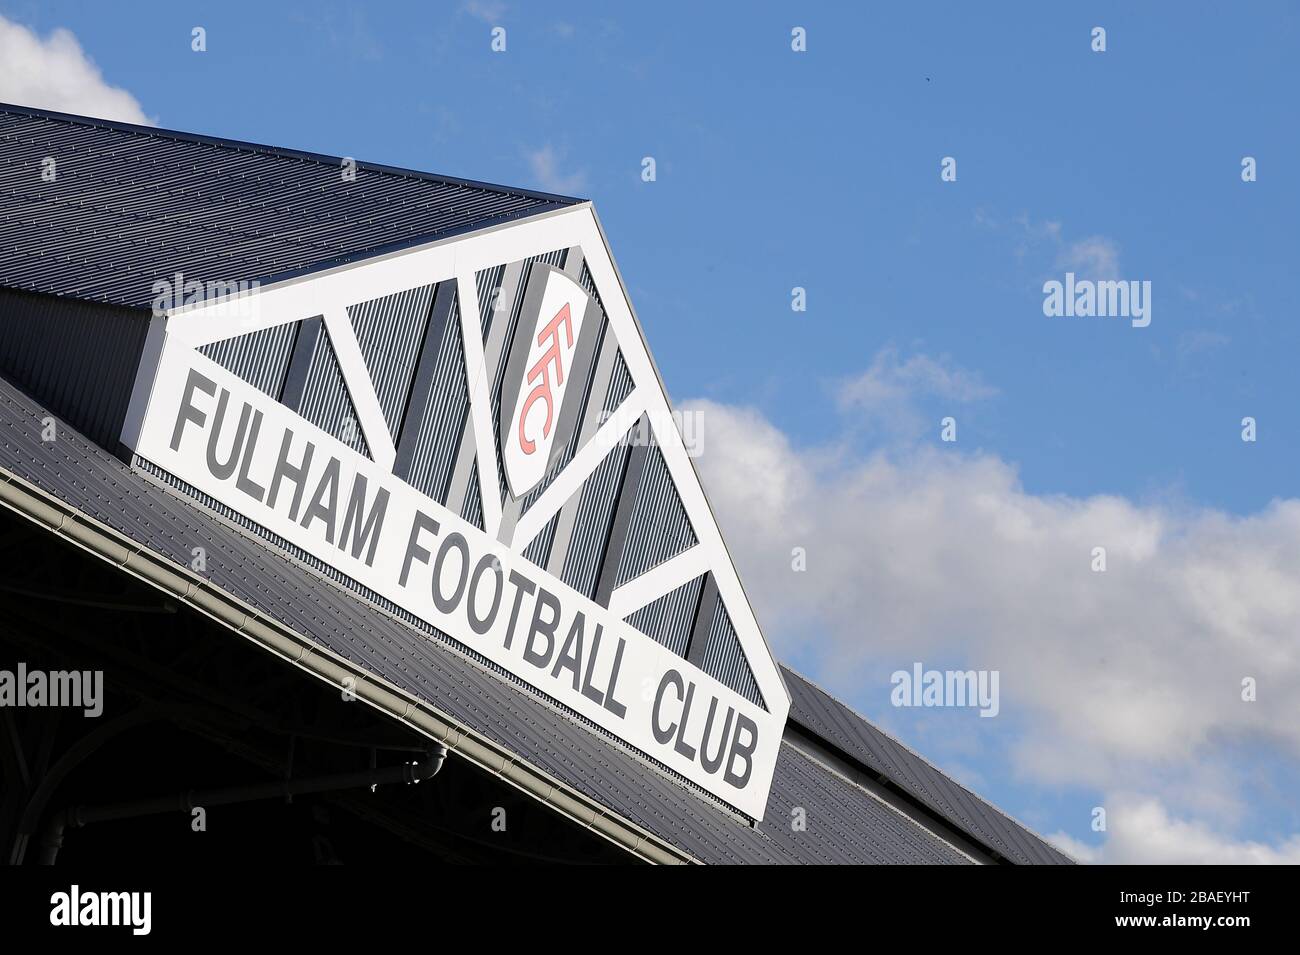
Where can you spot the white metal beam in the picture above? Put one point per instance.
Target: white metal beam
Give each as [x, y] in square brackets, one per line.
[360, 388]
[659, 580]
[577, 471]
[480, 403]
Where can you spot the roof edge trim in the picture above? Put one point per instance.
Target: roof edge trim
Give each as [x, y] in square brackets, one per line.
[663, 387]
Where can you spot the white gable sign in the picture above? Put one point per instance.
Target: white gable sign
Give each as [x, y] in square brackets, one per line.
[361, 502]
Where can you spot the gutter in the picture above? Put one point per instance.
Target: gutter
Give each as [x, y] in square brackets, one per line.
[114, 547]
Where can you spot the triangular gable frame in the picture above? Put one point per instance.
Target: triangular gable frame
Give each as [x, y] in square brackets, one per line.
[329, 293]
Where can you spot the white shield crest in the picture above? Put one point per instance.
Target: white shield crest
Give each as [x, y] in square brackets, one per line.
[529, 433]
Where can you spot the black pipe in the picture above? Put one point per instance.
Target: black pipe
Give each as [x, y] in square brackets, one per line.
[80, 816]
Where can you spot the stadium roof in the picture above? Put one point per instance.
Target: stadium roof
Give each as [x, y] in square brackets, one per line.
[135, 201]
[132, 204]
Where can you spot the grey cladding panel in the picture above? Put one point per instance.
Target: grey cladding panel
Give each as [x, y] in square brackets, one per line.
[306, 334]
[724, 659]
[540, 546]
[260, 358]
[596, 503]
[670, 618]
[472, 510]
[325, 399]
[588, 529]
[443, 417]
[389, 331]
[660, 528]
[620, 385]
[593, 416]
[79, 359]
[588, 282]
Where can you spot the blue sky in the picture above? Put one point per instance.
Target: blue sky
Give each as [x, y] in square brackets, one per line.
[821, 170]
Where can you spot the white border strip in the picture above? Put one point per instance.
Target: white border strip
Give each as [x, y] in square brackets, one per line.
[480, 402]
[659, 580]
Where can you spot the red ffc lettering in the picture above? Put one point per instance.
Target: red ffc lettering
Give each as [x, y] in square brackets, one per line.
[541, 370]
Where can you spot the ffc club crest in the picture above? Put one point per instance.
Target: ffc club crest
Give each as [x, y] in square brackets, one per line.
[543, 363]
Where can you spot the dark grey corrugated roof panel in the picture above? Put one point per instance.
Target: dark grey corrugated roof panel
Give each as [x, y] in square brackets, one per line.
[131, 204]
[821, 714]
[844, 822]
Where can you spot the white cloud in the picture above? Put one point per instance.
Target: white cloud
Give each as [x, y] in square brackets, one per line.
[55, 74]
[1095, 258]
[1140, 830]
[545, 162]
[941, 552]
[888, 391]
[1194, 344]
[1128, 678]
[489, 11]
[890, 380]
[1048, 229]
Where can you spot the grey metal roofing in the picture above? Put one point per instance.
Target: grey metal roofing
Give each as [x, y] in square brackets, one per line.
[826, 717]
[845, 822]
[132, 204]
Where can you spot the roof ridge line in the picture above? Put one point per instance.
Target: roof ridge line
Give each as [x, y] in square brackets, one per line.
[279, 151]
